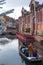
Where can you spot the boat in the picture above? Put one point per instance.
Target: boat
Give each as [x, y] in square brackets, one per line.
[31, 59]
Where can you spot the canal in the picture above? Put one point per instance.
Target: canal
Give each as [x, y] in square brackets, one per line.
[9, 54]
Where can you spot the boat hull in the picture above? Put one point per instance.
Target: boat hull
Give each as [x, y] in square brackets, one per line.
[30, 59]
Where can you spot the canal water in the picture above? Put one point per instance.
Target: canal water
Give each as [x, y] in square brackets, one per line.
[9, 54]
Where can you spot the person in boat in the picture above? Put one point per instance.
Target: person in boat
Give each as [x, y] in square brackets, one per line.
[35, 53]
[30, 50]
[24, 50]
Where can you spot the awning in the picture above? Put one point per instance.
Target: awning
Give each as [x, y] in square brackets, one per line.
[25, 38]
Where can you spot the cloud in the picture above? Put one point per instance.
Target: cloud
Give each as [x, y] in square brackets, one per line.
[16, 5]
[17, 12]
[5, 8]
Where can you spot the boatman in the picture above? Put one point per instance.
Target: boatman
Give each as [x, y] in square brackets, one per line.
[30, 50]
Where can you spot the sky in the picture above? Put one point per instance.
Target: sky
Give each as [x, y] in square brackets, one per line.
[17, 6]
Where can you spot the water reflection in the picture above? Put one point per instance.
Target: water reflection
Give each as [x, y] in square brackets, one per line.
[4, 41]
[9, 54]
[34, 63]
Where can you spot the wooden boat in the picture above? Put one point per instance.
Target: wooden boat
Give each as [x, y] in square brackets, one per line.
[31, 59]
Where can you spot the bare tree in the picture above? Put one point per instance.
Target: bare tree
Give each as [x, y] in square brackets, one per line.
[1, 3]
[7, 12]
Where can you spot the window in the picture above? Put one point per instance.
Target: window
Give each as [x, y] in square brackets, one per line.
[27, 30]
[39, 16]
[39, 26]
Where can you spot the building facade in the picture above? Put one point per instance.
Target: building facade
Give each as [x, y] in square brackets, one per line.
[31, 22]
[37, 17]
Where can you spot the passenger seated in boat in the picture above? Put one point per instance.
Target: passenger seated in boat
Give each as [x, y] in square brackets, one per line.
[24, 51]
[30, 50]
[22, 48]
[35, 53]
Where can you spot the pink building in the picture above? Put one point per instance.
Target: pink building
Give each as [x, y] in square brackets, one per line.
[31, 22]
